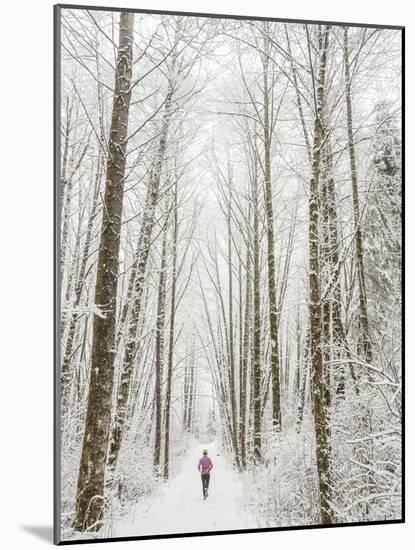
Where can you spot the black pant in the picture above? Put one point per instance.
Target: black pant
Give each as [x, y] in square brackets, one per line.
[205, 483]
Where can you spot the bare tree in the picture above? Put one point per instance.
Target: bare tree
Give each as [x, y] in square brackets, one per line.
[363, 319]
[90, 495]
[319, 393]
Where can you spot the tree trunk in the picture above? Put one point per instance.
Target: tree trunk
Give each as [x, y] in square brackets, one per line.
[364, 320]
[320, 412]
[170, 356]
[325, 269]
[160, 322]
[333, 339]
[245, 352]
[186, 389]
[256, 348]
[75, 315]
[191, 381]
[302, 396]
[90, 489]
[272, 295]
[65, 197]
[142, 254]
[231, 359]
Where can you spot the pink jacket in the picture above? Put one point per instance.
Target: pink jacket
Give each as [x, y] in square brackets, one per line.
[205, 465]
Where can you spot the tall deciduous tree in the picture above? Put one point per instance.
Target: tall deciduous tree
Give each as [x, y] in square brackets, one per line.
[159, 352]
[319, 402]
[139, 272]
[360, 270]
[171, 337]
[269, 209]
[90, 491]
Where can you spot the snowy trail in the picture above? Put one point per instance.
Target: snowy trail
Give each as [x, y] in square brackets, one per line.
[179, 506]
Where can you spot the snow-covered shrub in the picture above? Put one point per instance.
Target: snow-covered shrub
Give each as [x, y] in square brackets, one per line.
[282, 491]
[366, 454]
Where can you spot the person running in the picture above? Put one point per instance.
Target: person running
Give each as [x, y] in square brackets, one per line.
[205, 465]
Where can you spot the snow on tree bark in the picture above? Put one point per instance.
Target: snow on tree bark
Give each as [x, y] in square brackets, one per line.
[319, 387]
[364, 319]
[90, 494]
[143, 250]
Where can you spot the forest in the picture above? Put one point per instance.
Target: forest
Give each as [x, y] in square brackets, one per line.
[230, 265]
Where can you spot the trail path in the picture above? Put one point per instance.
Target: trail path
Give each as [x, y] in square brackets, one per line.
[179, 506]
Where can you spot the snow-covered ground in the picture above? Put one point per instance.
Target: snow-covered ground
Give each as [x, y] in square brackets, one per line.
[179, 506]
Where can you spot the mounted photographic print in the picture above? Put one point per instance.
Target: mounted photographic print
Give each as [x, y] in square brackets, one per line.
[228, 314]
